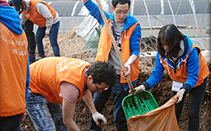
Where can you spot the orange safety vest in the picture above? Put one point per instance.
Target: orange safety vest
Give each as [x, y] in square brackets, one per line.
[35, 17]
[181, 73]
[47, 75]
[105, 44]
[13, 70]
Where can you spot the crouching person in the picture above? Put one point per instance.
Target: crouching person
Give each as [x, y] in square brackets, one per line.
[57, 83]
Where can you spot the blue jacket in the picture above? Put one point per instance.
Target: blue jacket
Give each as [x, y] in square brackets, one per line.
[192, 67]
[129, 21]
[10, 18]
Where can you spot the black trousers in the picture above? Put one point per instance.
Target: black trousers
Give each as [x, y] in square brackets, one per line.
[195, 99]
[28, 28]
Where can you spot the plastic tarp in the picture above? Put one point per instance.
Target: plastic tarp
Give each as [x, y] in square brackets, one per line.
[89, 23]
[86, 27]
[159, 119]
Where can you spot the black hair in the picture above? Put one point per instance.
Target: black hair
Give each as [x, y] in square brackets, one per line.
[115, 2]
[172, 37]
[103, 72]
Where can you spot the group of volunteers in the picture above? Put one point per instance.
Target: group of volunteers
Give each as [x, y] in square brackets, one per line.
[49, 88]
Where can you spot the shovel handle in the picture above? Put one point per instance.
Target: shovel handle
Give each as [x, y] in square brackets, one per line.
[114, 45]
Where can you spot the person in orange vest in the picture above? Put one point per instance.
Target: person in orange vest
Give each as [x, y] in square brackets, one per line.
[14, 69]
[186, 66]
[127, 33]
[58, 83]
[42, 14]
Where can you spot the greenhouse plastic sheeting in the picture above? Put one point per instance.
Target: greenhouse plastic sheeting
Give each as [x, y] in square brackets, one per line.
[159, 119]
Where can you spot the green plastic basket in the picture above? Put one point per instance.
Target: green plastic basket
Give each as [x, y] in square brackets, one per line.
[138, 104]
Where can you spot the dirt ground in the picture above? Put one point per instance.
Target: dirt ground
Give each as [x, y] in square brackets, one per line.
[71, 46]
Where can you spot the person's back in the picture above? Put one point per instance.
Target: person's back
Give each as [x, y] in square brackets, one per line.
[14, 67]
[48, 83]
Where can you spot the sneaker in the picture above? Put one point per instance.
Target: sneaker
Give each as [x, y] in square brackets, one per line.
[42, 56]
[31, 58]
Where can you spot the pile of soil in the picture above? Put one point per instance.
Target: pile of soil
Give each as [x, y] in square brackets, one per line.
[71, 45]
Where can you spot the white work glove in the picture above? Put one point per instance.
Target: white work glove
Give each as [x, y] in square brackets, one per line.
[48, 31]
[180, 94]
[139, 88]
[127, 66]
[97, 117]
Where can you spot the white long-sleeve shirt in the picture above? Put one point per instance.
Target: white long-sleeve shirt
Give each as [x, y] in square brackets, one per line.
[43, 10]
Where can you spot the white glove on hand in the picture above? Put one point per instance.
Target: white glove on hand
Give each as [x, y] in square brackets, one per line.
[48, 31]
[180, 94]
[127, 66]
[97, 117]
[139, 88]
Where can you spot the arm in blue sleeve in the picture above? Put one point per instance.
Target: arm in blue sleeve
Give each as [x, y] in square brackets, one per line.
[135, 41]
[27, 78]
[192, 70]
[157, 73]
[95, 12]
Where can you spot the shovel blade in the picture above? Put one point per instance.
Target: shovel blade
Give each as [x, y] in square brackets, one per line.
[138, 104]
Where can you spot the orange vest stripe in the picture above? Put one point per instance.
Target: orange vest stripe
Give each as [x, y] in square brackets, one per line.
[13, 48]
[35, 17]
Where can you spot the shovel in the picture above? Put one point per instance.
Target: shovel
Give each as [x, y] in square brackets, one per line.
[138, 104]
[132, 104]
